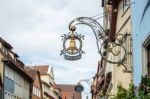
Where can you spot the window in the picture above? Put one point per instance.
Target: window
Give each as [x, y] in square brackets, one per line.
[125, 5]
[36, 91]
[128, 47]
[9, 95]
[9, 72]
[124, 44]
[148, 59]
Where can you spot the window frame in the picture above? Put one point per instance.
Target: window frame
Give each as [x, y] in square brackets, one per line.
[125, 5]
[145, 52]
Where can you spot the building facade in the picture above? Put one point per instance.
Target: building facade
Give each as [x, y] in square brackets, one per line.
[68, 91]
[99, 82]
[141, 39]
[120, 24]
[1, 84]
[117, 23]
[48, 83]
[16, 83]
[37, 92]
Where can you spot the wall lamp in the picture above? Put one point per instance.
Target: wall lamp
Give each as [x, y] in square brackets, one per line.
[79, 87]
[105, 46]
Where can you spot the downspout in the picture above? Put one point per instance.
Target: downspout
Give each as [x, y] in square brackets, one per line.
[113, 20]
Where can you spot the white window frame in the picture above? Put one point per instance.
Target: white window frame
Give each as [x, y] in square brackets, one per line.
[144, 55]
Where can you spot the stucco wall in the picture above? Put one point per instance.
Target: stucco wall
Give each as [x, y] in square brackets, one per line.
[49, 80]
[140, 30]
[15, 84]
[1, 63]
[123, 26]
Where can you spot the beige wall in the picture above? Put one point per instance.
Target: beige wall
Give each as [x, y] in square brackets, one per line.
[123, 27]
[118, 76]
[51, 90]
[122, 17]
[1, 63]
[47, 79]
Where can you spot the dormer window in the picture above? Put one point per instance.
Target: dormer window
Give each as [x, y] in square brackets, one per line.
[15, 59]
[5, 50]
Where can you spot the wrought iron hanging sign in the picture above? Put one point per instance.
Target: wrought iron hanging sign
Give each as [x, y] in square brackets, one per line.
[79, 88]
[72, 52]
[104, 45]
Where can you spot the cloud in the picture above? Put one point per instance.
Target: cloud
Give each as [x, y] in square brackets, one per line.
[34, 27]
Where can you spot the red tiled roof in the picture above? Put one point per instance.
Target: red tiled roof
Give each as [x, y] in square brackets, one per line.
[68, 91]
[43, 69]
[63, 87]
[31, 72]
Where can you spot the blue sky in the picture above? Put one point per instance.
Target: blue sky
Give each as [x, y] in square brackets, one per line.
[34, 29]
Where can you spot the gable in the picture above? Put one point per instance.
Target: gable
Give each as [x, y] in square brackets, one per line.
[50, 72]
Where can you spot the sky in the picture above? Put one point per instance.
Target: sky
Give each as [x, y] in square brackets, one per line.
[34, 29]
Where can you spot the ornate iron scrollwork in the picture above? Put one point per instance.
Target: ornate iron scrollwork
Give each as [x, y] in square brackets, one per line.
[72, 54]
[108, 48]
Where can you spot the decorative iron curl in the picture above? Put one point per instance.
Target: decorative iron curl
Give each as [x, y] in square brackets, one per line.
[107, 46]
